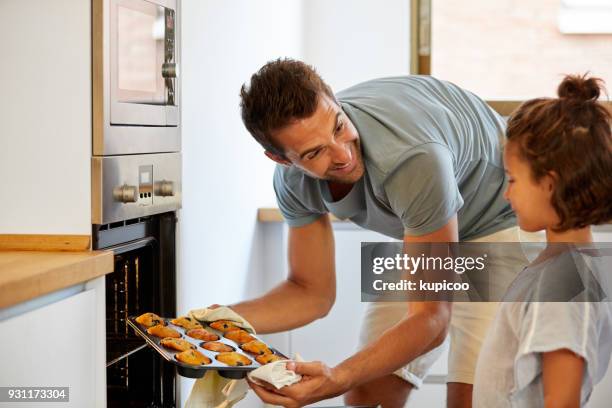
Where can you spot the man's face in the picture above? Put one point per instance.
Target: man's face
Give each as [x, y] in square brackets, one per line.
[325, 145]
[530, 200]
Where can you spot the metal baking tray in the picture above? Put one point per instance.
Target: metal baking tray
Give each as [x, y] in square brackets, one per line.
[191, 371]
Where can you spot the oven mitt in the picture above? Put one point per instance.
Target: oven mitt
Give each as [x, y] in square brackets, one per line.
[212, 390]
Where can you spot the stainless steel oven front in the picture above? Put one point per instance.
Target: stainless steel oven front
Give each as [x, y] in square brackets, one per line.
[136, 100]
[136, 183]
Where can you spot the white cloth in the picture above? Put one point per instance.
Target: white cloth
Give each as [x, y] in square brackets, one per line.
[276, 374]
[214, 391]
[221, 313]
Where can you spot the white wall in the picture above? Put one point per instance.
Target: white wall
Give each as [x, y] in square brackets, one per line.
[350, 41]
[226, 176]
[45, 116]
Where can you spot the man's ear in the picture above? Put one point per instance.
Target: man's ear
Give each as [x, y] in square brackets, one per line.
[277, 158]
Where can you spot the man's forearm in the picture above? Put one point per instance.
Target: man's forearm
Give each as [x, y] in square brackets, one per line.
[285, 307]
[413, 336]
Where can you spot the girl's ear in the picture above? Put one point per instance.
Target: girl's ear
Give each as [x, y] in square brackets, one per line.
[550, 181]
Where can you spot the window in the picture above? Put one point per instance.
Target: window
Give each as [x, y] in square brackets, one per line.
[511, 50]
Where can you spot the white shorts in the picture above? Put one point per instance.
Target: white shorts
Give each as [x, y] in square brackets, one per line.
[468, 327]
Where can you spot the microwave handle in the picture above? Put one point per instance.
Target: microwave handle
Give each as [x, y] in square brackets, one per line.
[169, 72]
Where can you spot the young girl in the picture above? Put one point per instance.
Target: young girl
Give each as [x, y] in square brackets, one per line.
[559, 162]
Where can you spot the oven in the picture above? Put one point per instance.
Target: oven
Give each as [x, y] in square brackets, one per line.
[134, 204]
[136, 85]
[143, 280]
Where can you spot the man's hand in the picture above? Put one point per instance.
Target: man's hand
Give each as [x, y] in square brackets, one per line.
[318, 382]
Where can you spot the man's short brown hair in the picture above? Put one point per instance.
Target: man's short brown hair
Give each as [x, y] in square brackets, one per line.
[569, 136]
[281, 92]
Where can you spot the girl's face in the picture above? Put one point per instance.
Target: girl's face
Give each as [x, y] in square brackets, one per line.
[530, 200]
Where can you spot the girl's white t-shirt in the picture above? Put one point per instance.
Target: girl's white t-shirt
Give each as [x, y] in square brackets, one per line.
[509, 368]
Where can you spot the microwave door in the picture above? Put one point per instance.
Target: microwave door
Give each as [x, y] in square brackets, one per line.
[143, 80]
[140, 53]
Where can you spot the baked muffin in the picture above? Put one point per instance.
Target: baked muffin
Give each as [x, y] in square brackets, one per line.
[186, 322]
[163, 331]
[202, 334]
[224, 325]
[256, 347]
[217, 347]
[150, 320]
[176, 344]
[192, 357]
[268, 358]
[234, 359]
[239, 336]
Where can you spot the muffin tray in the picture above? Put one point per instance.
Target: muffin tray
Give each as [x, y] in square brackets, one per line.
[198, 371]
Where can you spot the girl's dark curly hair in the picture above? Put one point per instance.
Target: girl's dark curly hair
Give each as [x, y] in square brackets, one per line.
[570, 138]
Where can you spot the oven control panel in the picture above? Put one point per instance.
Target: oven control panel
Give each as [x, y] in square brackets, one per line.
[126, 187]
[145, 186]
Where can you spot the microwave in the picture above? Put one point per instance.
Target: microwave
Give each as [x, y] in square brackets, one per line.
[135, 90]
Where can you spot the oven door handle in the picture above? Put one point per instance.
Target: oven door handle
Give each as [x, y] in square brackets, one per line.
[130, 246]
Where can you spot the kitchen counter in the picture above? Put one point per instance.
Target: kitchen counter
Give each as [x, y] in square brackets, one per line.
[25, 275]
[270, 214]
[61, 294]
[274, 215]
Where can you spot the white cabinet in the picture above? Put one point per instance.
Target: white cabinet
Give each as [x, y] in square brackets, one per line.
[61, 344]
[45, 117]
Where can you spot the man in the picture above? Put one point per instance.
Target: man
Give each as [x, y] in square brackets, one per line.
[411, 157]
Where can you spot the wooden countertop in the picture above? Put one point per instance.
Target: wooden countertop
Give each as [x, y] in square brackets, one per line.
[25, 275]
[271, 214]
[274, 215]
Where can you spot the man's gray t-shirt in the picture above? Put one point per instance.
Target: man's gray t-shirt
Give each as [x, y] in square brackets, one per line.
[430, 150]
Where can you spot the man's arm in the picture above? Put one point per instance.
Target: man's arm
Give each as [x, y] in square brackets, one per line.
[308, 292]
[423, 328]
[562, 372]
